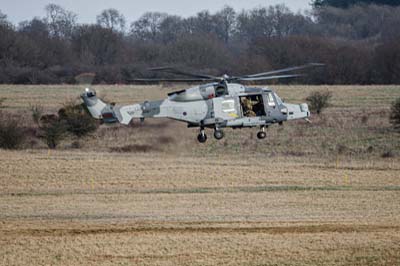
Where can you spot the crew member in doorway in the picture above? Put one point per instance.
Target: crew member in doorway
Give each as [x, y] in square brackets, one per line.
[247, 105]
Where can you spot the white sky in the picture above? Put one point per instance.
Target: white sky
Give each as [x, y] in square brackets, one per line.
[87, 10]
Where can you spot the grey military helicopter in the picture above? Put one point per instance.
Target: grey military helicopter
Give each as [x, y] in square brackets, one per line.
[220, 103]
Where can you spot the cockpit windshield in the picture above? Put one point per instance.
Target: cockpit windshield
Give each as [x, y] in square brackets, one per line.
[271, 101]
[278, 100]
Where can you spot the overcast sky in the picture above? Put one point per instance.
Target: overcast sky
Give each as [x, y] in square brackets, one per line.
[20, 10]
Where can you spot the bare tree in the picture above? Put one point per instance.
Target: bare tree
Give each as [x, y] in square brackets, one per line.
[148, 26]
[359, 44]
[358, 22]
[3, 19]
[254, 24]
[61, 22]
[348, 3]
[35, 28]
[274, 21]
[226, 22]
[171, 28]
[96, 45]
[205, 22]
[112, 19]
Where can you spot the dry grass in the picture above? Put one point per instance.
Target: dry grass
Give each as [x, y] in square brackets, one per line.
[73, 208]
[52, 96]
[150, 195]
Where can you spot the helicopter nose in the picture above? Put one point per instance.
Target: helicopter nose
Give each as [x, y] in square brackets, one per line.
[297, 111]
[304, 109]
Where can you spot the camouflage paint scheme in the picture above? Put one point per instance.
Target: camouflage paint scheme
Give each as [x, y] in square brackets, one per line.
[213, 105]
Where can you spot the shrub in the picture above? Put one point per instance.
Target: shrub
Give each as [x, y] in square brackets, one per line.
[395, 115]
[52, 130]
[364, 119]
[12, 135]
[77, 120]
[2, 100]
[76, 145]
[134, 148]
[318, 101]
[341, 148]
[72, 118]
[37, 112]
[388, 154]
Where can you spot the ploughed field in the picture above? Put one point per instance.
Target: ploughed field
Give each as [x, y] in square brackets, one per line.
[326, 193]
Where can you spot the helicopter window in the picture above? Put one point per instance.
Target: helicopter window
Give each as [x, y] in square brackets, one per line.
[228, 106]
[271, 101]
[220, 91]
[278, 99]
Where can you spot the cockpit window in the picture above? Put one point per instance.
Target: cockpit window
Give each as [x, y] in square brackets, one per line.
[220, 91]
[271, 101]
[278, 100]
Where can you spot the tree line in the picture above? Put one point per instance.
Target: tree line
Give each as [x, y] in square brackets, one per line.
[359, 43]
[348, 3]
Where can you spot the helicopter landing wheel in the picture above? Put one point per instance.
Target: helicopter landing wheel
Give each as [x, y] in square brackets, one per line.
[261, 135]
[202, 137]
[219, 134]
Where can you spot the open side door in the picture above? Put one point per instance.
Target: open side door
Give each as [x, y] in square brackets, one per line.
[252, 105]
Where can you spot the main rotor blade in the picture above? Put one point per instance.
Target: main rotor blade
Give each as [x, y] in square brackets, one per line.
[271, 77]
[180, 72]
[283, 70]
[171, 80]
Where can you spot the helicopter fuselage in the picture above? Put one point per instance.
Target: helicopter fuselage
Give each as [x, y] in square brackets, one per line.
[213, 105]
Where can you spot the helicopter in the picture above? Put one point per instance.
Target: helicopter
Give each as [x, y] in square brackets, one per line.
[222, 102]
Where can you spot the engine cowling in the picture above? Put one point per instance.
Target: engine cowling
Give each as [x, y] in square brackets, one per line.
[198, 93]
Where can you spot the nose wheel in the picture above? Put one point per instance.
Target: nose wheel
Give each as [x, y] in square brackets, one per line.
[262, 134]
[202, 137]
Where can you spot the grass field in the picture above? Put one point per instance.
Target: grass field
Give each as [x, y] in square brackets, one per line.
[326, 193]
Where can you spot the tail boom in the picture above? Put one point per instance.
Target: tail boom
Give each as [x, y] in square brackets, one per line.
[97, 108]
[109, 113]
[190, 112]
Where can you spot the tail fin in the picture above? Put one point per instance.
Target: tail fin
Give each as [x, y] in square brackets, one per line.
[97, 108]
